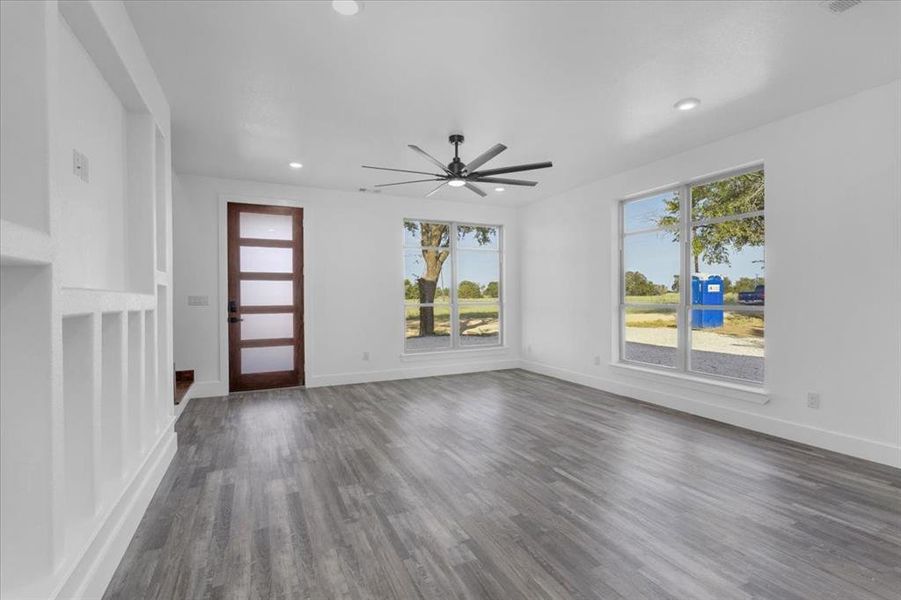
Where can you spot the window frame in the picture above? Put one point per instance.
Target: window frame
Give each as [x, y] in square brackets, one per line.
[683, 306]
[454, 302]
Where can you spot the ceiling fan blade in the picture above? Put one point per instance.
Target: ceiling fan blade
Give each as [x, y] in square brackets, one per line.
[515, 169]
[401, 170]
[429, 157]
[436, 189]
[476, 189]
[406, 182]
[504, 181]
[485, 157]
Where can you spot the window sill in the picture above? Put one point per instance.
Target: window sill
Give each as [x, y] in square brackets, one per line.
[748, 393]
[457, 352]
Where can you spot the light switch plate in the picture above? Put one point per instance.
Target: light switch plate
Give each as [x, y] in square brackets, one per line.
[198, 300]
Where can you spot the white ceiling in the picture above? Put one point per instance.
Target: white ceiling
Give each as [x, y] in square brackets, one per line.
[588, 85]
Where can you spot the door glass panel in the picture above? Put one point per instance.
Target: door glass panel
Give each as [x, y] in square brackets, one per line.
[265, 360]
[266, 227]
[260, 259]
[267, 293]
[267, 326]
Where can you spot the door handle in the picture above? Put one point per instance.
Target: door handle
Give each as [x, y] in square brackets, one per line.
[232, 306]
[234, 319]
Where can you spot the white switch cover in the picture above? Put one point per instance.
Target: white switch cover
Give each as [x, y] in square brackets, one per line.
[198, 300]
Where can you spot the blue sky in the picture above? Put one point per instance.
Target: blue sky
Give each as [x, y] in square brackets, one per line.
[656, 255]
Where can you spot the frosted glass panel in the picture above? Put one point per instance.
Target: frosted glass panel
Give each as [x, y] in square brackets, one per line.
[267, 293]
[267, 227]
[258, 259]
[265, 360]
[265, 327]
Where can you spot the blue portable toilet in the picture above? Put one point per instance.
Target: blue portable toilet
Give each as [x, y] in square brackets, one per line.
[706, 290]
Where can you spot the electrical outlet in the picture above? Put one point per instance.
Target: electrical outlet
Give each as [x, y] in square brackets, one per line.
[365, 356]
[597, 361]
[813, 399]
[80, 166]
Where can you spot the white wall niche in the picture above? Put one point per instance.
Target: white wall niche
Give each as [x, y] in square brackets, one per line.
[113, 391]
[26, 425]
[133, 413]
[79, 388]
[149, 421]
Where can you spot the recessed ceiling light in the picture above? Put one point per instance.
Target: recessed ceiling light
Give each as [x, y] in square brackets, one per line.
[456, 183]
[687, 103]
[498, 189]
[348, 8]
[295, 165]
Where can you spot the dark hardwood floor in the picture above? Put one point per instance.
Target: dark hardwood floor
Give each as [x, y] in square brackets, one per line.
[503, 485]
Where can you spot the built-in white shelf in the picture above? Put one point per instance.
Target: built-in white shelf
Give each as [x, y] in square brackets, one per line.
[86, 411]
[79, 301]
[21, 245]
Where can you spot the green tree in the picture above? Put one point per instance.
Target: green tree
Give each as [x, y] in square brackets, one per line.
[434, 239]
[731, 196]
[469, 289]
[411, 292]
[637, 284]
[491, 290]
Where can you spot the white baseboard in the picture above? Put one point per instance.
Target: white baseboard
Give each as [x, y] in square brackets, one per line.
[208, 389]
[835, 441]
[92, 573]
[411, 372]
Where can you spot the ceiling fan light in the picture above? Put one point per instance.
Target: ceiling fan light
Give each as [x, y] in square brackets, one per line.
[456, 183]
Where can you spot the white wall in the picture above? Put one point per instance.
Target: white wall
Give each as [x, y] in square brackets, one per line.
[353, 265]
[833, 211]
[91, 119]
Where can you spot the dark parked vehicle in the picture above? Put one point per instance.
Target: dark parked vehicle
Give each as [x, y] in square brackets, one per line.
[755, 297]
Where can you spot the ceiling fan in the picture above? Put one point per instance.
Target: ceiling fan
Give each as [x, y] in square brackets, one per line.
[458, 174]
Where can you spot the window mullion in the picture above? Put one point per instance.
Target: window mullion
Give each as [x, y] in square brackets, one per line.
[683, 316]
[454, 307]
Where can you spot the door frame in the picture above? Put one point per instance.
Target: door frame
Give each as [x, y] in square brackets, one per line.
[222, 311]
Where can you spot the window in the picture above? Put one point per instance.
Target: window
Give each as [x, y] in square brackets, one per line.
[452, 286]
[710, 234]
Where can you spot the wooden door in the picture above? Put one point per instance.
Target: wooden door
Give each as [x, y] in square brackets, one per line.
[265, 296]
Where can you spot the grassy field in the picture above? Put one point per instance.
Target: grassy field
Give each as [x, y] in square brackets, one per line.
[475, 319]
[673, 298]
[734, 324]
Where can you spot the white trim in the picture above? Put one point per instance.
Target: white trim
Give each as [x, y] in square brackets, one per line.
[454, 303]
[684, 307]
[456, 353]
[834, 441]
[208, 389]
[89, 577]
[432, 370]
[224, 199]
[669, 376]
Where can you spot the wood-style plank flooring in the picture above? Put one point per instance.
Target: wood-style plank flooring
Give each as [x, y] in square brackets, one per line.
[503, 485]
